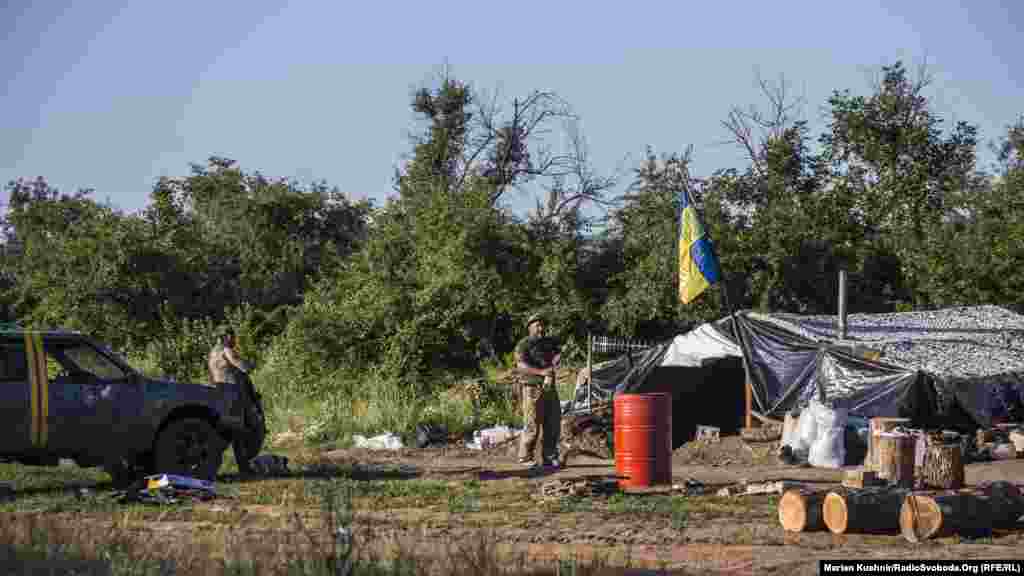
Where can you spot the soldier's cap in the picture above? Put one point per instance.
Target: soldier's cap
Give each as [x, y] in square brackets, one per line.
[535, 317]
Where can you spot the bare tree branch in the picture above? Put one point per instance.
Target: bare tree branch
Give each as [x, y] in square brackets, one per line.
[771, 124]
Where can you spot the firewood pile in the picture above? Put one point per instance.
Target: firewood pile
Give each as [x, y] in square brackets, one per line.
[913, 484]
[917, 515]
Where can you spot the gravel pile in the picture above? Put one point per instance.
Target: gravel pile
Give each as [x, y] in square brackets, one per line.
[967, 342]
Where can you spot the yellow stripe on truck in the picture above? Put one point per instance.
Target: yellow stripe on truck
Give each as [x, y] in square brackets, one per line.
[33, 368]
[44, 392]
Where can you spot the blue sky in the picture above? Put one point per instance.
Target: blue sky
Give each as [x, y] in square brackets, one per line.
[113, 95]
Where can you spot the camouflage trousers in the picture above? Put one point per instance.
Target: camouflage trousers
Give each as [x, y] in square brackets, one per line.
[542, 415]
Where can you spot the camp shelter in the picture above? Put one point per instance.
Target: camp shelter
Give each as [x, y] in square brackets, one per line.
[955, 368]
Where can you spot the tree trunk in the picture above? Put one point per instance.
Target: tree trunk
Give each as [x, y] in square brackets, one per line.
[923, 516]
[800, 510]
[864, 510]
[943, 467]
[878, 426]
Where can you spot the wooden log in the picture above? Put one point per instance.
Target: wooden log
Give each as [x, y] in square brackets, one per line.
[943, 466]
[790, 425]
[1004, 451]
[927, 516]
[864, 510]
[860, 478]
[877, 426]
[1007, 503]
[766, 433]
[800, 510]
[896, 459]
[778, 487]
[984, 436]
[1017, 438]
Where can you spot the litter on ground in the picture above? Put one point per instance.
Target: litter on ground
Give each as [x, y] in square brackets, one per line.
[385, 441]
[269, 465]
[488, 437]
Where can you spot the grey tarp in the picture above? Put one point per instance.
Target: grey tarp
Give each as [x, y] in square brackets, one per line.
[786, 370]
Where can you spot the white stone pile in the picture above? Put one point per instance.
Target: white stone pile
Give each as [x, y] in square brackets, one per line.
[964, 342]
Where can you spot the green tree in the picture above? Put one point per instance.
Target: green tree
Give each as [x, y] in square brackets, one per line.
[888, 152]
[644, 294]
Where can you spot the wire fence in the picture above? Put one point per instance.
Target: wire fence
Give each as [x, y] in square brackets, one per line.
[606, 345]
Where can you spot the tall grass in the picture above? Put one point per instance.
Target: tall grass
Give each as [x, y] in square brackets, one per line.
[375, 402]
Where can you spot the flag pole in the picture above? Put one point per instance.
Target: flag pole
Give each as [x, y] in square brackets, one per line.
[687, 201]
[748, 420]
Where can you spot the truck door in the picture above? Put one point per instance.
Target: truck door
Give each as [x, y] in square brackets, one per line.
[95, 404]
[16, 415]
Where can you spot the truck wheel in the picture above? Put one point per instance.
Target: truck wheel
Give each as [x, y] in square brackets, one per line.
[189, 447]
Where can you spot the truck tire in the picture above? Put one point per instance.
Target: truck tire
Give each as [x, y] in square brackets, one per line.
[189, 447]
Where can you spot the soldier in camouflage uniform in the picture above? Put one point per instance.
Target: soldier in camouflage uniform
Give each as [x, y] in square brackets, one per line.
[541, 409]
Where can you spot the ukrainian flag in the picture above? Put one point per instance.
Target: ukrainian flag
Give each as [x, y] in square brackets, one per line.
[698, 265]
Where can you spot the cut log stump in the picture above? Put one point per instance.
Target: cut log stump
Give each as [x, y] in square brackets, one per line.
[943, 467]
[800, 510]
[896, 458]
[923, 517]
[878, 426]
[864, 510]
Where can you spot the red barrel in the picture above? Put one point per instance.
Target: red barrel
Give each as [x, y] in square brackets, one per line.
[643, 439]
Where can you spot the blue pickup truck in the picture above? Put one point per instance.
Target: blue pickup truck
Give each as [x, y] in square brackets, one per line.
[66, 396]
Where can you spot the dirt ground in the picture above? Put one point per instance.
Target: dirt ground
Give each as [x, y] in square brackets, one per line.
[436, 502]
[725, 535]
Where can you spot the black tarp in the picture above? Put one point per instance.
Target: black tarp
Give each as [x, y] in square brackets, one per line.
[786, 370]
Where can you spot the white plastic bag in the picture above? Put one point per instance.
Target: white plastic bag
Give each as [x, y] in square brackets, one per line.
[830, 417]
[829, 448]
[484, 439]
[806, 430]
[386, 441]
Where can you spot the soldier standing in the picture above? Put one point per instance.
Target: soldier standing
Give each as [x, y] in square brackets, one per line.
[225, 365]
[223, 362]
[536, 358]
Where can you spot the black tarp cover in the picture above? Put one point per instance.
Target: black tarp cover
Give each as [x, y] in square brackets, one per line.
[787, 370]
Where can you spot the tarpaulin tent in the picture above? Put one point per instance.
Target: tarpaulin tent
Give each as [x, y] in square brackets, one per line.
[956, 368]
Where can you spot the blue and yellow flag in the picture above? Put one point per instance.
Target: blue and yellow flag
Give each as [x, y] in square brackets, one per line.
[698, 265]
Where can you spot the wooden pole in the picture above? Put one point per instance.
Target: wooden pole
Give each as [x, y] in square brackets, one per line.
[748, 419]
[590, 365]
